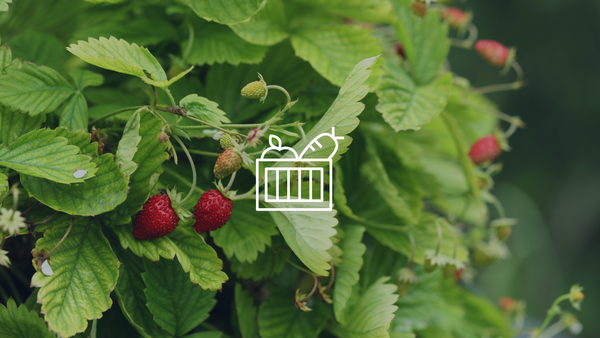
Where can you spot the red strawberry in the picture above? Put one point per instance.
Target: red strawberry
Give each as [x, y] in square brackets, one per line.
[419, 7]
[507, 304]
[455, 17]
[400, 51]
[228, 162]
[485, 149]
[493, 52]
[212, 211]
[156, 219]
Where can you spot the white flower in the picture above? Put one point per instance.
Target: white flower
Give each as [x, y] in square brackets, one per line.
[4, 258]
[11, 221]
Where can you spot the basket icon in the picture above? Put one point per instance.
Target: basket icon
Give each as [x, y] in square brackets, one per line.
[285, 176]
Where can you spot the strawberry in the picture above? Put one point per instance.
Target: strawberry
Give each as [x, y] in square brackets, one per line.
[400, 51]
[486, 149]
[256, 90]
[507, 304]
[456, 18]
[228, 162]
[493, 52]
[225, 141]
[156, 219]
[419, 7]
[405, 280]
[212, 211]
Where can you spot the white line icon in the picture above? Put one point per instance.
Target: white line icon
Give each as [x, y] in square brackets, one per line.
[285, 176]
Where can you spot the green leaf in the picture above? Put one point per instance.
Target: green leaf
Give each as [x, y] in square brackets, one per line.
[40, 48]
[425, 41]
[279, 318]
[133, 29]
[343, 113]
[203, 109]
[149, 158]
[223, 11]
[97, 195]
[404, 105]
[439, 303]
[372, 315]
[261, 267]
[4, 5]
[377, 174]
[347, 273]
[152, 249]
[217, 43]
[85, 78]
[267, 27]
[360, 10]
[247, 233]
[85, 273]
[128, 144]
[40, 153]
[308, 234]
[426, 238]
[130, 294]
[75, 114]
[5, 57]
[120, 56]
[20, 323]
[177, 305]
[198, 258]
[246, 312]
[14, 124]
[334, 51]
[32, 88]
[3, 183]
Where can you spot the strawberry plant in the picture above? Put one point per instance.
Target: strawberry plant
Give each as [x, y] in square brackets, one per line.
[129, 177]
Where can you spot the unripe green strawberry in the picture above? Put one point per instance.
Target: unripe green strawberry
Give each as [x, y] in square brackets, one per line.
[419, 7]
[449, 270]
[255, 90]
[228, 162]
[405, 280]
[225, 141]
[481, 257]
[503, 232]
[429, 266]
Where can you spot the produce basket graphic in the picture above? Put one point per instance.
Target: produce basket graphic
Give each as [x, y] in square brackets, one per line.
[285, 176]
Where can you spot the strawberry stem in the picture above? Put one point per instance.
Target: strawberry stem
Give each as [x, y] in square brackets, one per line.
[46, 256]
[281, 89]
[440, 234]
[292, 263]
[230, 183]
[453, 231]
[330, 284]
[200, 152]
[468, 42]
[553, 311]
[518, 84]
[312, 292]
[187, 153]
[413, 250]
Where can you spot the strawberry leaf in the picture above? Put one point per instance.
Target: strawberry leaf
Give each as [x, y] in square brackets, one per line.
[198, 258]
[308, 234]
[347, 273]
[405, 105]
[267, 27]
[246, 312]
[85, 78]
[334, 52]
[261, 267]
[120, 56]
[217, 43]
[21, 323]
[39, 48]
[43, 154]
[359, 10]
[372, 315]
[278, 318]
[32, 88]
[4, 5]
[3, 183]
[128, 144]
[5, 57]
[152, 249]
[223, 11]
[85, 273]
[247, 233]
[14, 124]
[177, 305]
[75, 114]
[425, 41]
[95, 196]
[203, 109]
[149, 158]
[130, 293]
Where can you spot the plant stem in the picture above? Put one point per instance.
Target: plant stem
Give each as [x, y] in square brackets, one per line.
[281, 89]
[462, 151]
[453, 231]
[118, 111]
[440, 234]
[155, 97]
[551, 313]
[230, 183]
[94, 328]
[247, 195]
[188, 48]
[200, 152]
[468, 42]
[166, 89]
[30, 208]
[291, 263]
[519, 83]
[332, 278]
[312, 292]
[187, 153]
[46, 220]
[413, 250]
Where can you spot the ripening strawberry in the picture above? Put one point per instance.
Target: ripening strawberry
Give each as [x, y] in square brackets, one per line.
[419, 8]
[400, 51]
[225, 141]
[486, 149]
[156, 219]
[493, 52]
[455, 17]
[212, 211]
[228, 162]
